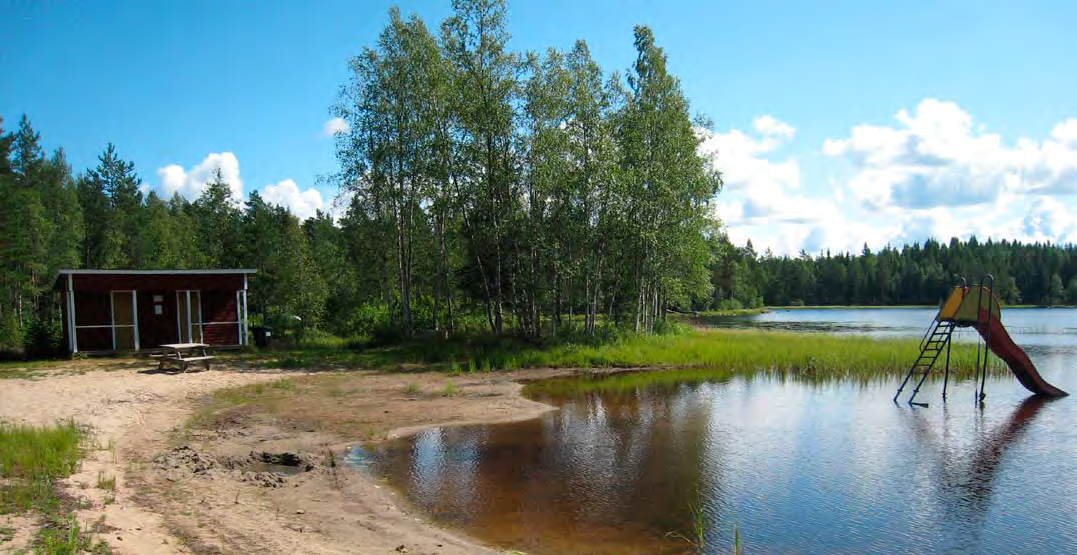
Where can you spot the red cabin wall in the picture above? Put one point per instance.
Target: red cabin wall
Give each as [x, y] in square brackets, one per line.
[156, 329]
[219, 317]
[93, 307]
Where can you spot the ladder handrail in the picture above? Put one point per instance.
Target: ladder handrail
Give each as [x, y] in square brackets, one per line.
[931, 329]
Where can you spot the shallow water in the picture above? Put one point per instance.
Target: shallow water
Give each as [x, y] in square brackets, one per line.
[798, 468]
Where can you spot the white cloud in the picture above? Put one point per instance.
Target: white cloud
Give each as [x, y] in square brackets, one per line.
[1048, 220]
[758, 187]
[934, 173]
[335, 126]
[772, 127]
[936, 156]
[1066, 132]
[745, 161]
[191, 183]
[763, 199]
[287, 194]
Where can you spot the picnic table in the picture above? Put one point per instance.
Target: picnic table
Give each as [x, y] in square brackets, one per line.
[183, 354]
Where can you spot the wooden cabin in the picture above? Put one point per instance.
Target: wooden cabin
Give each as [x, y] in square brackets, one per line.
[133, 310]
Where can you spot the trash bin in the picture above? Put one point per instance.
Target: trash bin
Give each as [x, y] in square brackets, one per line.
[261, 335]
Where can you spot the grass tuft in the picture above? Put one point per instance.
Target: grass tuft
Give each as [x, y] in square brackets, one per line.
[32, 460]
[697, 537]
[106, 482]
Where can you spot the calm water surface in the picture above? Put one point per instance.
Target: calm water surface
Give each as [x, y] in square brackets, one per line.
[798, 468]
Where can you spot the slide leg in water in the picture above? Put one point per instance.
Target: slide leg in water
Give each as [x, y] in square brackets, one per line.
[1000, 343]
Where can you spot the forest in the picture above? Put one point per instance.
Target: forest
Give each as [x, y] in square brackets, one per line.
[481, 190]
[1029, 274]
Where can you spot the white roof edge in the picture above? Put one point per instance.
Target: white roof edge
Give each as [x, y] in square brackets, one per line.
[157, 272]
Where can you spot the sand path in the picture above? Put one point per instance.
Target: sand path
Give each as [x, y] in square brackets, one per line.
[133, 416]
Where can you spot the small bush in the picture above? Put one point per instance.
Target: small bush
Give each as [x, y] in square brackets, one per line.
[44, 338]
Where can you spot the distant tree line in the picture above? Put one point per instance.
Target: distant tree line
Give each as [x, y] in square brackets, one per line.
[1038, 274]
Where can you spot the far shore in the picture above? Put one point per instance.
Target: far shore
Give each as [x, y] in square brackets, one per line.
[899, 306]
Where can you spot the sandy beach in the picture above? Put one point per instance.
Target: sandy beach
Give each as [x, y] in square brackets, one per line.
[189, 490]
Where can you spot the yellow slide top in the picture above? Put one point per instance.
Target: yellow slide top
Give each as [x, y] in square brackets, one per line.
[964, 304]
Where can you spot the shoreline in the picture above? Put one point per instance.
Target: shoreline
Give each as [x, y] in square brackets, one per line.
[188, 449]
[190, 490]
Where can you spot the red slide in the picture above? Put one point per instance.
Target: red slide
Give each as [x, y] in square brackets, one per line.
[1000, 343]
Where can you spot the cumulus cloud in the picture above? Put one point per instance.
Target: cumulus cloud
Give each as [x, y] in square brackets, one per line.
[937, 156]
[1048, 220]
[933, 173]
[773, 127]
[745, 161]
[190, 183]
[762, 188]
[287, 194]
[335, 126]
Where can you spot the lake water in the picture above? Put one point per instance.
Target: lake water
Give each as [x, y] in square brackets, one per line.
[795, 467]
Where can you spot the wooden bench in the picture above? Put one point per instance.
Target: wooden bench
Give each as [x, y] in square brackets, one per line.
[183, 354]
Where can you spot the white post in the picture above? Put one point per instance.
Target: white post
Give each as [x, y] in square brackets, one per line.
[239, 322]
[190, 334]
[246, 323]
[246, 338]
[73, 341]
[134, 309]
[112, 316]
[179, 324]
[201, 324]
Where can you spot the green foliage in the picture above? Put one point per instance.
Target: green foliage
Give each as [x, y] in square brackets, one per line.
[62, 535]
[32, 459]
[539, 188]
[44, 337]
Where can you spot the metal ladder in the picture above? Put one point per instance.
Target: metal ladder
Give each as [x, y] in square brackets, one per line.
[934, 342]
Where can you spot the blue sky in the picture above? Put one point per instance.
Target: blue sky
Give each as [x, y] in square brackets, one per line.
[836, 123]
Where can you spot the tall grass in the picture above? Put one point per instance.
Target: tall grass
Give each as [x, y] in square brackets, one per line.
[749, 350]
[32, 459]
[697, 537]
[740, 350]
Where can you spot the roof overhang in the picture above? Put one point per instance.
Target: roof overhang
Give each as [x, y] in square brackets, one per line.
[232, 271]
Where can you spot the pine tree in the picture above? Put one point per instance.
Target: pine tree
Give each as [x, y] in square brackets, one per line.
[110, 197]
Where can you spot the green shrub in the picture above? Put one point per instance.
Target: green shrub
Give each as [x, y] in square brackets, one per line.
[44, 338]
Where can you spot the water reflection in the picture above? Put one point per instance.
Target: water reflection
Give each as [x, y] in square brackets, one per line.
[965, 471]
[830, 467]
[800, 468]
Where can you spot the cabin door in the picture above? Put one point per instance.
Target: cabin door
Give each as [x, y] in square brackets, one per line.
[124, 321]
[189, 316]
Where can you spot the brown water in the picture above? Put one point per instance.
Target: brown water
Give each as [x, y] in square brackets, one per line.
[798, 468]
